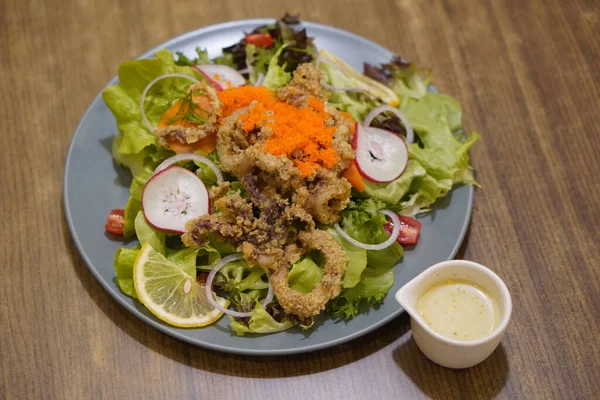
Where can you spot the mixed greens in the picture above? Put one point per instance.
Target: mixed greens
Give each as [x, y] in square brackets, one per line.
[437, 160]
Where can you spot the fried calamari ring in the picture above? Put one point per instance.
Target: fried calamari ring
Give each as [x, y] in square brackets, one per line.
[306, 305]
[329, 196]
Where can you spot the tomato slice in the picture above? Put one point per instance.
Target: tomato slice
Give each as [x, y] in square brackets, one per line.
[263, 40]
[115, 221]
[410, 229]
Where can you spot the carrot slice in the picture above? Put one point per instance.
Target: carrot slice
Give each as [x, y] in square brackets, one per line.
[354, 177]
[206, 145]
[179, 147]
[348, 116]
[203, 104]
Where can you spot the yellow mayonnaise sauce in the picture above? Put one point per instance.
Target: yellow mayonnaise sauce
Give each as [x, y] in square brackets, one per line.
[459, 310]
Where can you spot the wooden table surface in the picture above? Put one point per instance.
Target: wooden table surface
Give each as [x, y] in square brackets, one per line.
[527, 74]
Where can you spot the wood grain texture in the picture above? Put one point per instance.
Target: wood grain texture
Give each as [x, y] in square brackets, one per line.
[527, 74]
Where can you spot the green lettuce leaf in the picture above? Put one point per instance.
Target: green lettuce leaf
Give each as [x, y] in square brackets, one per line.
[362, 220]
[260, 322]
[185, 258]
[200, 60]
[123, 262]
[372, 288]
[304, 275]
[225, 59]
[134, 204]
[237, 277]
[410, 81]
[434, 118]
[357, 260]
[393, 192]
[260, 60]
[145, 233]
[132, 208]
[276, 76]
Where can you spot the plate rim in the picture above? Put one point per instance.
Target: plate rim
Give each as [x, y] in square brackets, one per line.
[165, 329]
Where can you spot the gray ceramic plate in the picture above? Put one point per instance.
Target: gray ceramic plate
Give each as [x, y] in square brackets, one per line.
[94, 184]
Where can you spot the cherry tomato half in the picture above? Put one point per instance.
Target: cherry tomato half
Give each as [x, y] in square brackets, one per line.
[409, 230]
[263, 40]
[115, 221]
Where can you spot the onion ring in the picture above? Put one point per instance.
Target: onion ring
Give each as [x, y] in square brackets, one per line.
[410, 135]
[260, 79]
[147, 88]
[393, 236]
[193, 157]
[209, 293]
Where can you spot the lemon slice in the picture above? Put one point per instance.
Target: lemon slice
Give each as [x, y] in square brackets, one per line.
[169, 293]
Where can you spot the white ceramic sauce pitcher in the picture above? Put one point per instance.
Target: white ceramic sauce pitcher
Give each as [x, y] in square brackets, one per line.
[444, 351]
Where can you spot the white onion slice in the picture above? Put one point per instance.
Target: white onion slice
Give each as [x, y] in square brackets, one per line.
[260, 79]
[147, 88]
[336, 88]
[209, 293]
[320, 60]
[393, 236]
[190, 157]
[410, 135]
[341, 89]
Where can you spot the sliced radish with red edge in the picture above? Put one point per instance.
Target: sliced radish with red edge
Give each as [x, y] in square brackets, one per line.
[172, 197]
[381, 156]
[214, 83]
[222, 74]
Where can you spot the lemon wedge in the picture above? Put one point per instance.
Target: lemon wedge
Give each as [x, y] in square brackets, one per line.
[171, 294]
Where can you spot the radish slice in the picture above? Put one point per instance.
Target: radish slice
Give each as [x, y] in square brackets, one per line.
[410, 135]
[172, 197]
[225, 76]
[208, 78]
[381, 156]
[147, 88]
[190, 157]
[393, 236]
[209, 293]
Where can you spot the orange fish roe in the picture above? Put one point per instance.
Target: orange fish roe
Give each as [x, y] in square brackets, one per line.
[240, 97]
[298, 133]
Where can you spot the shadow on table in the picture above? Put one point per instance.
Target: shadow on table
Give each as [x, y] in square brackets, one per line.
[483, 381]
[230, 364]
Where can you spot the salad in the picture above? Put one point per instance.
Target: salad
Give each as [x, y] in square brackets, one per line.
[275, 182]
